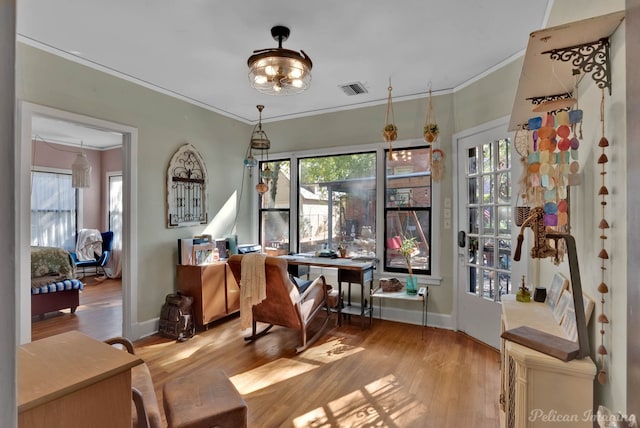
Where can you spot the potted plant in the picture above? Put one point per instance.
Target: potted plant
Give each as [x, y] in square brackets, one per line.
[431, 132]
[390, 132]
[342, 249]
[408, 247]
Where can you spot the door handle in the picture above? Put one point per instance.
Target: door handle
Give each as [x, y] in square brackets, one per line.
[462, 239]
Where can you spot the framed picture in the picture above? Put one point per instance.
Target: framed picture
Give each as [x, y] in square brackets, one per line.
[566, 300]
[559, 283]
[568, 323]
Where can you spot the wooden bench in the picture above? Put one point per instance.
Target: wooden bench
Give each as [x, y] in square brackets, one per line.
[203, 398]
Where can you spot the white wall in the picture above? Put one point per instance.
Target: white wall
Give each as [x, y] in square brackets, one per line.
[586, 211]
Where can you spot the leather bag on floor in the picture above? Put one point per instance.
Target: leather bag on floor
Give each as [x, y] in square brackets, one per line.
[176, 317]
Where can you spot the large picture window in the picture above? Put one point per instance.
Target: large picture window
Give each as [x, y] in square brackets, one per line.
[330, 202]
[337, 204]
[408, 209]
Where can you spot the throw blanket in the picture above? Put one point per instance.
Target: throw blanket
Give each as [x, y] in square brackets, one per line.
[253, 286]
[51, 260]
[89, 244]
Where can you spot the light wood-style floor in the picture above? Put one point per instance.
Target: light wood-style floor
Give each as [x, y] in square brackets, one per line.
[389, 375]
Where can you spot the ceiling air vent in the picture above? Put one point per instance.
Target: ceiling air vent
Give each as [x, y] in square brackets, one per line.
[355, 88]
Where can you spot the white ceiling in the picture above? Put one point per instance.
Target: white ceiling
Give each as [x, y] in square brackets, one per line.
[197, 50]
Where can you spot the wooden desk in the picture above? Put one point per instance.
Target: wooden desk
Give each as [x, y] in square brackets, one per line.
[349, 271]
[72, 380]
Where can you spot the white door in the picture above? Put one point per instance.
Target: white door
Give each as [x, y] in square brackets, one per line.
[486, 175]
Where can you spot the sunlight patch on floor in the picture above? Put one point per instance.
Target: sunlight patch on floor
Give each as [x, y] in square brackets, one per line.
[384, 402]
[190, 347]
[287, 368]
[269, 374]
[330, 351]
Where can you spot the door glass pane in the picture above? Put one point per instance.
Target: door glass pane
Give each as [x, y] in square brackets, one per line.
[504, 187]
[473, 190]
[487, 157]
[488, 222]
[504, 154]
[472, 161]
[474, 224]
[487, 188]
[504, 220]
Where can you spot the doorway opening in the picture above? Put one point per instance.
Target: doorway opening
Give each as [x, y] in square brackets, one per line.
[116, 147]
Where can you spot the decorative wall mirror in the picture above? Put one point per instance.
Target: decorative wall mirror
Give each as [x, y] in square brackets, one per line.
[186, 188]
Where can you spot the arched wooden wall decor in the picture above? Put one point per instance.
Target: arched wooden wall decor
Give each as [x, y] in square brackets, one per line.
[186, 188]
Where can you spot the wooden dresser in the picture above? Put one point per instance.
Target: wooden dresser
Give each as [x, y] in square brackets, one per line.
[214, 290]
[71, 380]
[538, 390]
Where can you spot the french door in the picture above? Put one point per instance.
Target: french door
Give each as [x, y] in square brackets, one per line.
[485, 175]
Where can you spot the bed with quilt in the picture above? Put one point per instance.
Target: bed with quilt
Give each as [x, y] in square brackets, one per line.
[53, 283]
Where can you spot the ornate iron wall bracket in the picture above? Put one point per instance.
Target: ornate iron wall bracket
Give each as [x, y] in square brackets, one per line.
[546, 98]
[590, 57]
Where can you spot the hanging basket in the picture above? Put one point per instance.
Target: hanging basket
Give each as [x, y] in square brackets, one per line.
[430, 136]
[431, 130]
[390, 130]
[390, 135]
[522, 213]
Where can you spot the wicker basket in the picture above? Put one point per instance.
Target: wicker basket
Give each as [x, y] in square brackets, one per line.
[522, 213]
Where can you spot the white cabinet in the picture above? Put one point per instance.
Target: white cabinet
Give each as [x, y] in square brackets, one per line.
[538, 390]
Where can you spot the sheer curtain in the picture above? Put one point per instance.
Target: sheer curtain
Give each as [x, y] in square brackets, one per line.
[114, 265]
[53, 209]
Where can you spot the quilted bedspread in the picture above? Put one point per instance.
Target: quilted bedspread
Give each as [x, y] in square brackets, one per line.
[51, 260]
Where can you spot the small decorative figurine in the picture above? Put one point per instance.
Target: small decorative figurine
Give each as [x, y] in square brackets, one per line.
[524, 295]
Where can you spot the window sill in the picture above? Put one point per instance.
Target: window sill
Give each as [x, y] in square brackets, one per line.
[422, 279]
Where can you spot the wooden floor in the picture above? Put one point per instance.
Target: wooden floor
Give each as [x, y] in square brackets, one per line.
[99, 314]
[389, 375]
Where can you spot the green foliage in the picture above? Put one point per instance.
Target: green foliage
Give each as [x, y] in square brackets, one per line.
[390, 127]
[334, 168]
[407, 247]
[431, 127]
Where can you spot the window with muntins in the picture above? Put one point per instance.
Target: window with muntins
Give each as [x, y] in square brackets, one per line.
[333, 200]
[408, 209]
[53, 209]
[275, 207]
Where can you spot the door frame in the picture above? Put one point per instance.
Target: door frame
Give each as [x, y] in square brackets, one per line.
[517, 269]
[26, 111]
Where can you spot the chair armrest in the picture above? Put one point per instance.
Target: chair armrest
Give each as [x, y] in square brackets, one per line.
[121, 341]
[318, 282]
[138, 401]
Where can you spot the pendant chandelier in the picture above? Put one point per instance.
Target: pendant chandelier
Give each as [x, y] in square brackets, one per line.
[279, 71]
[259, 141]
[81, 171]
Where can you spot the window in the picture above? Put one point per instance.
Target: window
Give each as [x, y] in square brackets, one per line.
[329, 200]
[337, 203]
[53, 209]
[274, 207]
[408, 209]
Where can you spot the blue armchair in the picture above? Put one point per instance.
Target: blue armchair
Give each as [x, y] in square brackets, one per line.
[100, 262]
